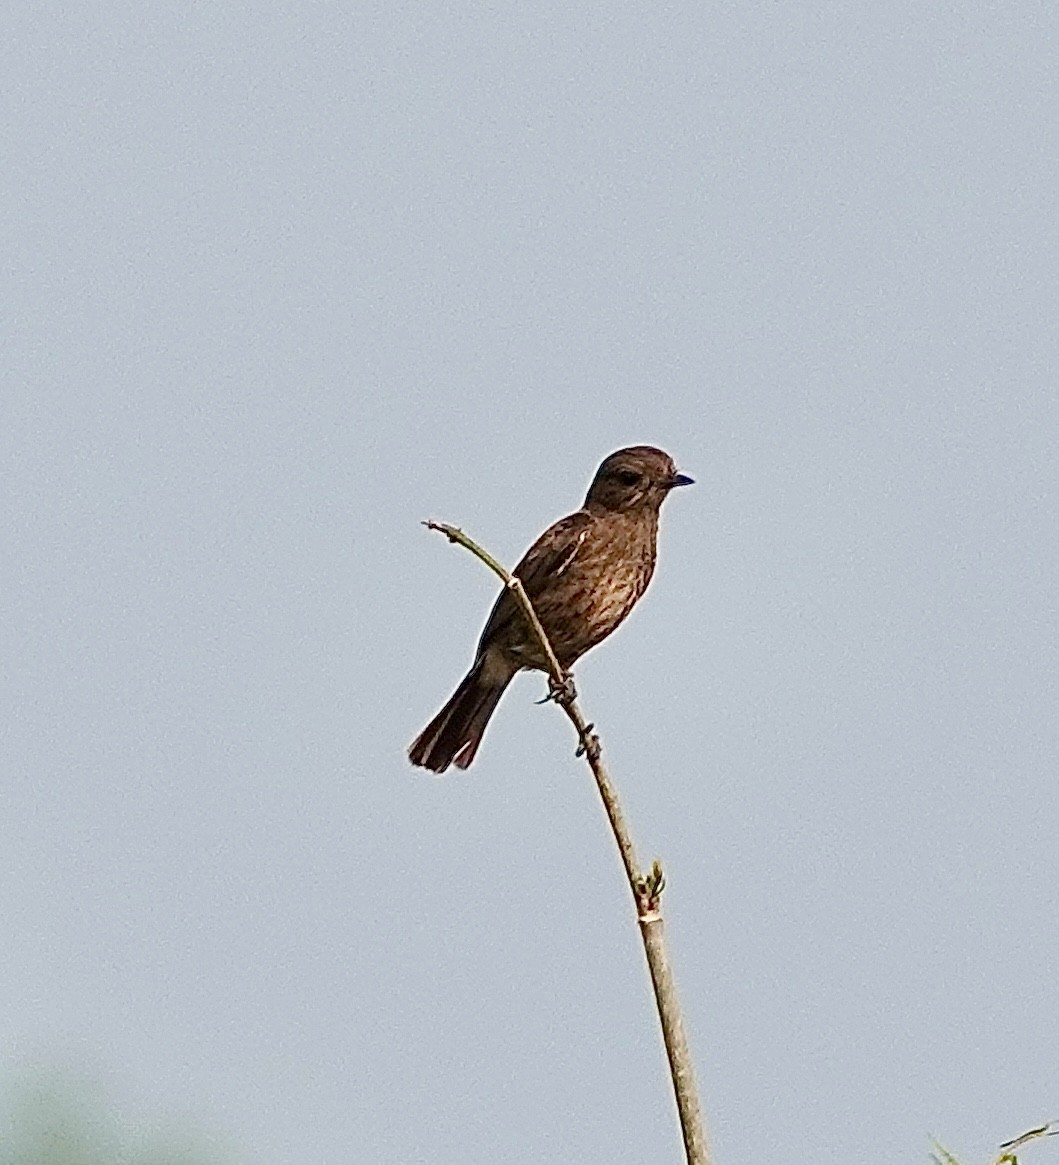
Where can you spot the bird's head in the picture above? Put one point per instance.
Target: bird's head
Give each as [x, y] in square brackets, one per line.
[637, 478]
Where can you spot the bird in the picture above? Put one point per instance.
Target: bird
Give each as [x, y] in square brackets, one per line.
[583, 575]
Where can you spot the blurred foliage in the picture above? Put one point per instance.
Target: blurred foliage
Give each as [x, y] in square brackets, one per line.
[942, 1156]
[54, 1117]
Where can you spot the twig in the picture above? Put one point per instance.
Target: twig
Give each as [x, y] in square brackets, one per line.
[646, 888]
[1007, 1155]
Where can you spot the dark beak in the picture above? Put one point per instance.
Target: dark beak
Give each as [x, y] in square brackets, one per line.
[679, 479]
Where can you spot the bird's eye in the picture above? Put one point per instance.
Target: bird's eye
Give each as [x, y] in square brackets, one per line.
[628, 476]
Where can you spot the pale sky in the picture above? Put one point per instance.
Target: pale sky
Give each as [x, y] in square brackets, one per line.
[279, 282]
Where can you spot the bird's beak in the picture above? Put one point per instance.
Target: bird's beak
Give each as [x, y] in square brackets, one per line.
[679, 479]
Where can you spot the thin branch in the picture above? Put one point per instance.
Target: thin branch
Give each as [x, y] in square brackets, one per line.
[646, 888]
[454, 534]
[1007, 1155]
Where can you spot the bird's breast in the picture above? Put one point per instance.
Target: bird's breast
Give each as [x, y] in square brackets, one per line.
[598, 587]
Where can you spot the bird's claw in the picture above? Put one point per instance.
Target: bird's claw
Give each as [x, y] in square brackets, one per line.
[589, 745]
[564, 693]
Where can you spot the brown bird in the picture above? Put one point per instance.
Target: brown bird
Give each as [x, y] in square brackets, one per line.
[583, 576]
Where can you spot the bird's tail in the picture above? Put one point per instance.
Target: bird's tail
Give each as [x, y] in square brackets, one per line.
[454, 734]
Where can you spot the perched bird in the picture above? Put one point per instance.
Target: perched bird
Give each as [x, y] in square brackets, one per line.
[583, 575]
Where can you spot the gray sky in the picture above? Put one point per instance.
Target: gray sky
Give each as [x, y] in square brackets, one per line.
[280, 282]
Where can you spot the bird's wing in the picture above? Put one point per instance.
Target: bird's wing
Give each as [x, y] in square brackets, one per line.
[546, 559]
[553, 552]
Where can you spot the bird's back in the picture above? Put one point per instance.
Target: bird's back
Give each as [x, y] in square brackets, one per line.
[583, 576]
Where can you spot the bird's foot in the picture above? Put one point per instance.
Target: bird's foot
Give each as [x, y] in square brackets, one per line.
[589, 745]
[564, 693]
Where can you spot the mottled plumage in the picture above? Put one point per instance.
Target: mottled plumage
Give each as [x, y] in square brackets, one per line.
[583, 575]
